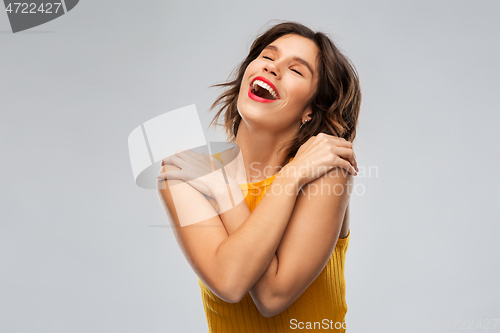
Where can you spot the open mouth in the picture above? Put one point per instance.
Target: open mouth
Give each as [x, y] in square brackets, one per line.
[262, 90]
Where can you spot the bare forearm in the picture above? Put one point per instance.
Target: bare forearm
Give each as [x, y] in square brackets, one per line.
[233, 219]
[249, 251]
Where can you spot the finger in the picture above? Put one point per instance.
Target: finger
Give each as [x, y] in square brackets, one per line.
[348, 167]
[169, 175]
[174, 160]
[341, 142]
[186, 155]
[356, 160]
[335, 140]
[347, 154]
[322, 135]
[191, 156]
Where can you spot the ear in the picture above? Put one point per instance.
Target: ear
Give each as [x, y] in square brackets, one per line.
[306, 114]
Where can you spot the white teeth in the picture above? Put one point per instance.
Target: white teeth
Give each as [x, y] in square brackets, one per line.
[265, 86]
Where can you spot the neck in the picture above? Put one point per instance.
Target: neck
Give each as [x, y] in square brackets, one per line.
[259, 150]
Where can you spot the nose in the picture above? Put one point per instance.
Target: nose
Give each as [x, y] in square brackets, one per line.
[270, 67]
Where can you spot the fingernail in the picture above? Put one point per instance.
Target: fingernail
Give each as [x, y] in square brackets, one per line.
[159, 177]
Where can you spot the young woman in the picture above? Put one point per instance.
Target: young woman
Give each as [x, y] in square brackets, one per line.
[265, 224]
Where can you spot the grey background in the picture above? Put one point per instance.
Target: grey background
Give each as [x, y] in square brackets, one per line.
[78, 248]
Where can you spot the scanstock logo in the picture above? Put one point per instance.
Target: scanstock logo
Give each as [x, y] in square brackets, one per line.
[26, 15]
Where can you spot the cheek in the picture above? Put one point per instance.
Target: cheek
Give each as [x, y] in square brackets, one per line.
[300, 93]
[244, 81]
[251, 68]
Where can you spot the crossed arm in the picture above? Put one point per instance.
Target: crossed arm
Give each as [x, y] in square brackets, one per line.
[275, 252]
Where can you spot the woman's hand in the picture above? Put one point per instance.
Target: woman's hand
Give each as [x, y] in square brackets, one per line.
[197, 170]
[319, 155]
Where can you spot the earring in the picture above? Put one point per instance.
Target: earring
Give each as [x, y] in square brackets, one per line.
[303, 124]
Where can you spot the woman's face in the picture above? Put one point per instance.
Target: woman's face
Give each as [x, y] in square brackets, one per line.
[289, 66]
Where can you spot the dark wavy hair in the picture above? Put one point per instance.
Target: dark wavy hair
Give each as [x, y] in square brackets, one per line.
[335, 105]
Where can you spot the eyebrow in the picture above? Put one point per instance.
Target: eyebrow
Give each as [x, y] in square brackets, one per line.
[298, 59]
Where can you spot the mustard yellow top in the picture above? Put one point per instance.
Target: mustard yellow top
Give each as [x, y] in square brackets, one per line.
[321, 307]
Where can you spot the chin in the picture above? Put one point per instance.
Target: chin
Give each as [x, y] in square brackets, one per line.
[251, 111]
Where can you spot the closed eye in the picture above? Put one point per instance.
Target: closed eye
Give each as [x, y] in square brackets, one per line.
[296, 71]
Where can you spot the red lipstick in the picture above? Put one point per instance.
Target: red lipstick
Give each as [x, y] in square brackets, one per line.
[260, 99]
